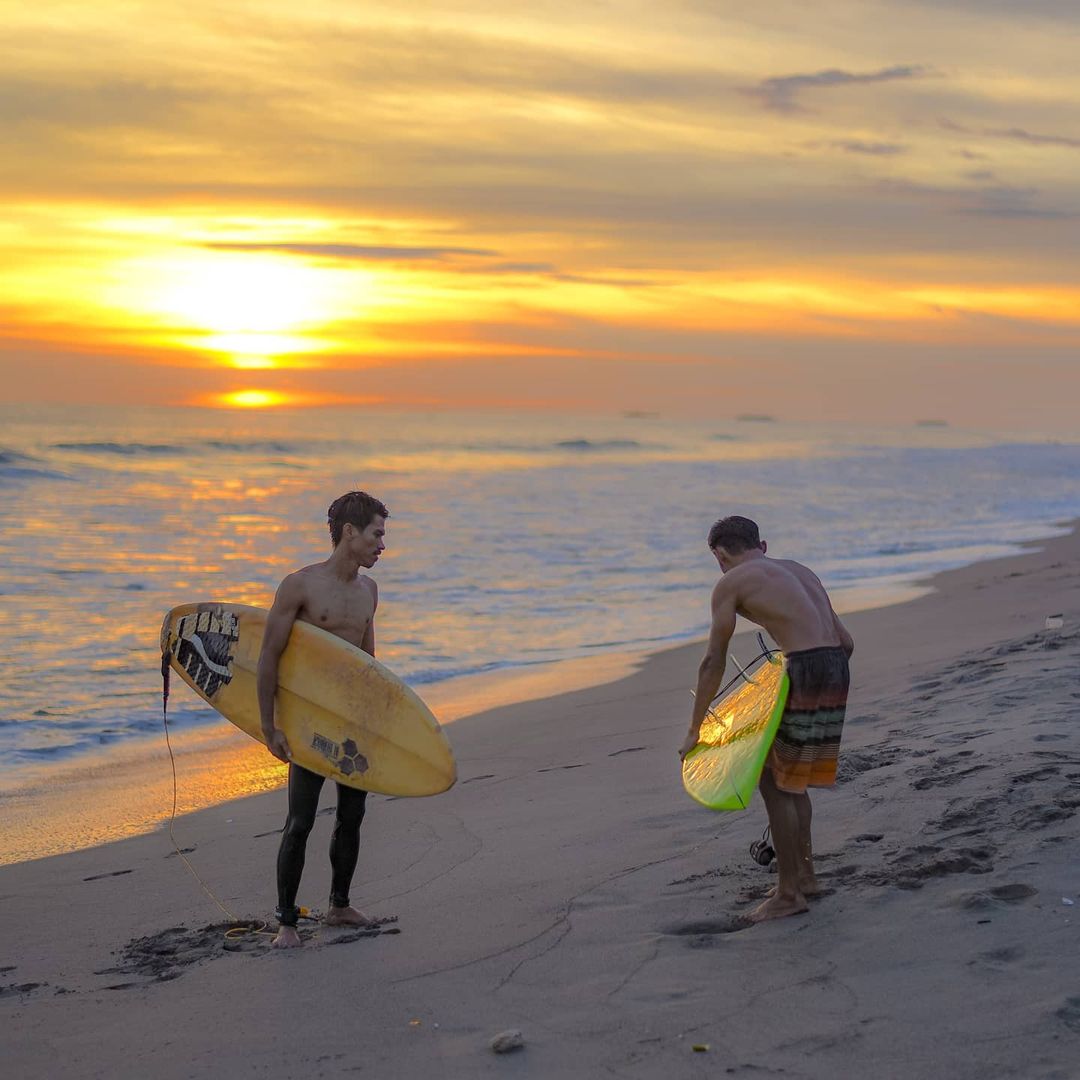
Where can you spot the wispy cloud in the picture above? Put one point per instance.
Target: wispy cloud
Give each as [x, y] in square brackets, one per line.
[477, 260]
[1010, 9]
[81, 102]
[554, 273]
[780, 93]
[995, 201]
[1017, 134]
[874, 149]
[360, 252]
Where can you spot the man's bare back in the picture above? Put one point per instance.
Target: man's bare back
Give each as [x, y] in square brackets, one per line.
[788, 600]
[784, 597]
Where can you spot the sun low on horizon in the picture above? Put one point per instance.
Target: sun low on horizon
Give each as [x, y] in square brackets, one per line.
[585, 208]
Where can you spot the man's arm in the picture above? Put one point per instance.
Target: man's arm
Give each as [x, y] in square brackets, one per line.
[711, 671]
[279, 624]
[368, 642]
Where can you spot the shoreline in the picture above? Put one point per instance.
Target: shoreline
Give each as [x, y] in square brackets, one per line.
[567, 887]
[127, 791]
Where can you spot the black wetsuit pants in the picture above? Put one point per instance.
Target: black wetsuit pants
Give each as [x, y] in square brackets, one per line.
[304, 788]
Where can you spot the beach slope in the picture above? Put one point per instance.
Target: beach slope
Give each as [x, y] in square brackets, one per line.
[568, 888]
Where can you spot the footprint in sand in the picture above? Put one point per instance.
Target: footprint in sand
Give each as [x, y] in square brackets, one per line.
[1015, 893]
[859, 761]
[701, 932]
[1069, 1014]
[1008, 954]
[164, 956]
[962, 813]
[707, 875]
[1038, 817]
[1045, 772]
[960, 737]
[840, 872]
[929, 684]
[916, 866]
[364, 932]
[943, 778]
[20, 988]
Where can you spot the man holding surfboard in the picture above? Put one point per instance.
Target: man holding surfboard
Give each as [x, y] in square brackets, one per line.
[790, 603]
[336, 597]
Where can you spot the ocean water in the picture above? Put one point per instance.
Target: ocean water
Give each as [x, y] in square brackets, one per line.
[514, 540]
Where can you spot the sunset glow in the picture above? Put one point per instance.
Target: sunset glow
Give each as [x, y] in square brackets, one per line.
[335, 194]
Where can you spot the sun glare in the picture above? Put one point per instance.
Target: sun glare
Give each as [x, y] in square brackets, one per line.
[252, 399]
[252, 311]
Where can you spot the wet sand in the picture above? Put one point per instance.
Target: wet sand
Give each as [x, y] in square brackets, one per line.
[568, 888]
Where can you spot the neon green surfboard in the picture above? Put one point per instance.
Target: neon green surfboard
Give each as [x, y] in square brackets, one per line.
[723, 770]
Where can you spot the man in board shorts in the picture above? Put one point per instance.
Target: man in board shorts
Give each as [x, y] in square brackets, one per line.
[789, 601]
[335, 596]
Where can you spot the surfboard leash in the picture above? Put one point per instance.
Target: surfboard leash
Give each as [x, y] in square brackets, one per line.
[765, 654]
[241, 926]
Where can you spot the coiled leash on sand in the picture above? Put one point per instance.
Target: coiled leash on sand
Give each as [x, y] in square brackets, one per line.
[239, 927]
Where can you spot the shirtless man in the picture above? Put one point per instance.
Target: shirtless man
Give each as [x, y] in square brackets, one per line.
[790, 602]
[333, 595]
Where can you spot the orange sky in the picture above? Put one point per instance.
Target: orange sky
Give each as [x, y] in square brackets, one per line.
[869, 212]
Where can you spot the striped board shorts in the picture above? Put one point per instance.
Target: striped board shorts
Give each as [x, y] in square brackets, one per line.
[807, 744]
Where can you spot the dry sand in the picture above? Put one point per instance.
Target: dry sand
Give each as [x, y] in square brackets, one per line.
[568, 888]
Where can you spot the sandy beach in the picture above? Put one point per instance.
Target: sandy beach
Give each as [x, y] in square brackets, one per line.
[568, 888]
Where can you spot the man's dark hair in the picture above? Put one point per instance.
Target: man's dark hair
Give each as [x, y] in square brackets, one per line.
[735, 534]
[354, 508]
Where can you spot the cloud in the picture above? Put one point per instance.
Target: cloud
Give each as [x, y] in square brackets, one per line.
[875, 149]
[93, 102]
[1016, 134]
[362, 252]
[1029, 9]
[779, 93]
[995, 201]
[388, 253]
[1005, 210]
[549, 270]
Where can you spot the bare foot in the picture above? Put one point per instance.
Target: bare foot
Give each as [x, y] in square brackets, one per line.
[287, 938]
[778, 907]
[348, 916]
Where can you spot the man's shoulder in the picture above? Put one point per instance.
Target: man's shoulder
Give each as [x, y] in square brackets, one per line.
[302, 579]
[762, 571]
[747, 571]
[792, 567]
[734, 580]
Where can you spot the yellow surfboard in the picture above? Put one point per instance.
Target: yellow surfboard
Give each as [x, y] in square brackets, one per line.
[723, 770]
[346, 716]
